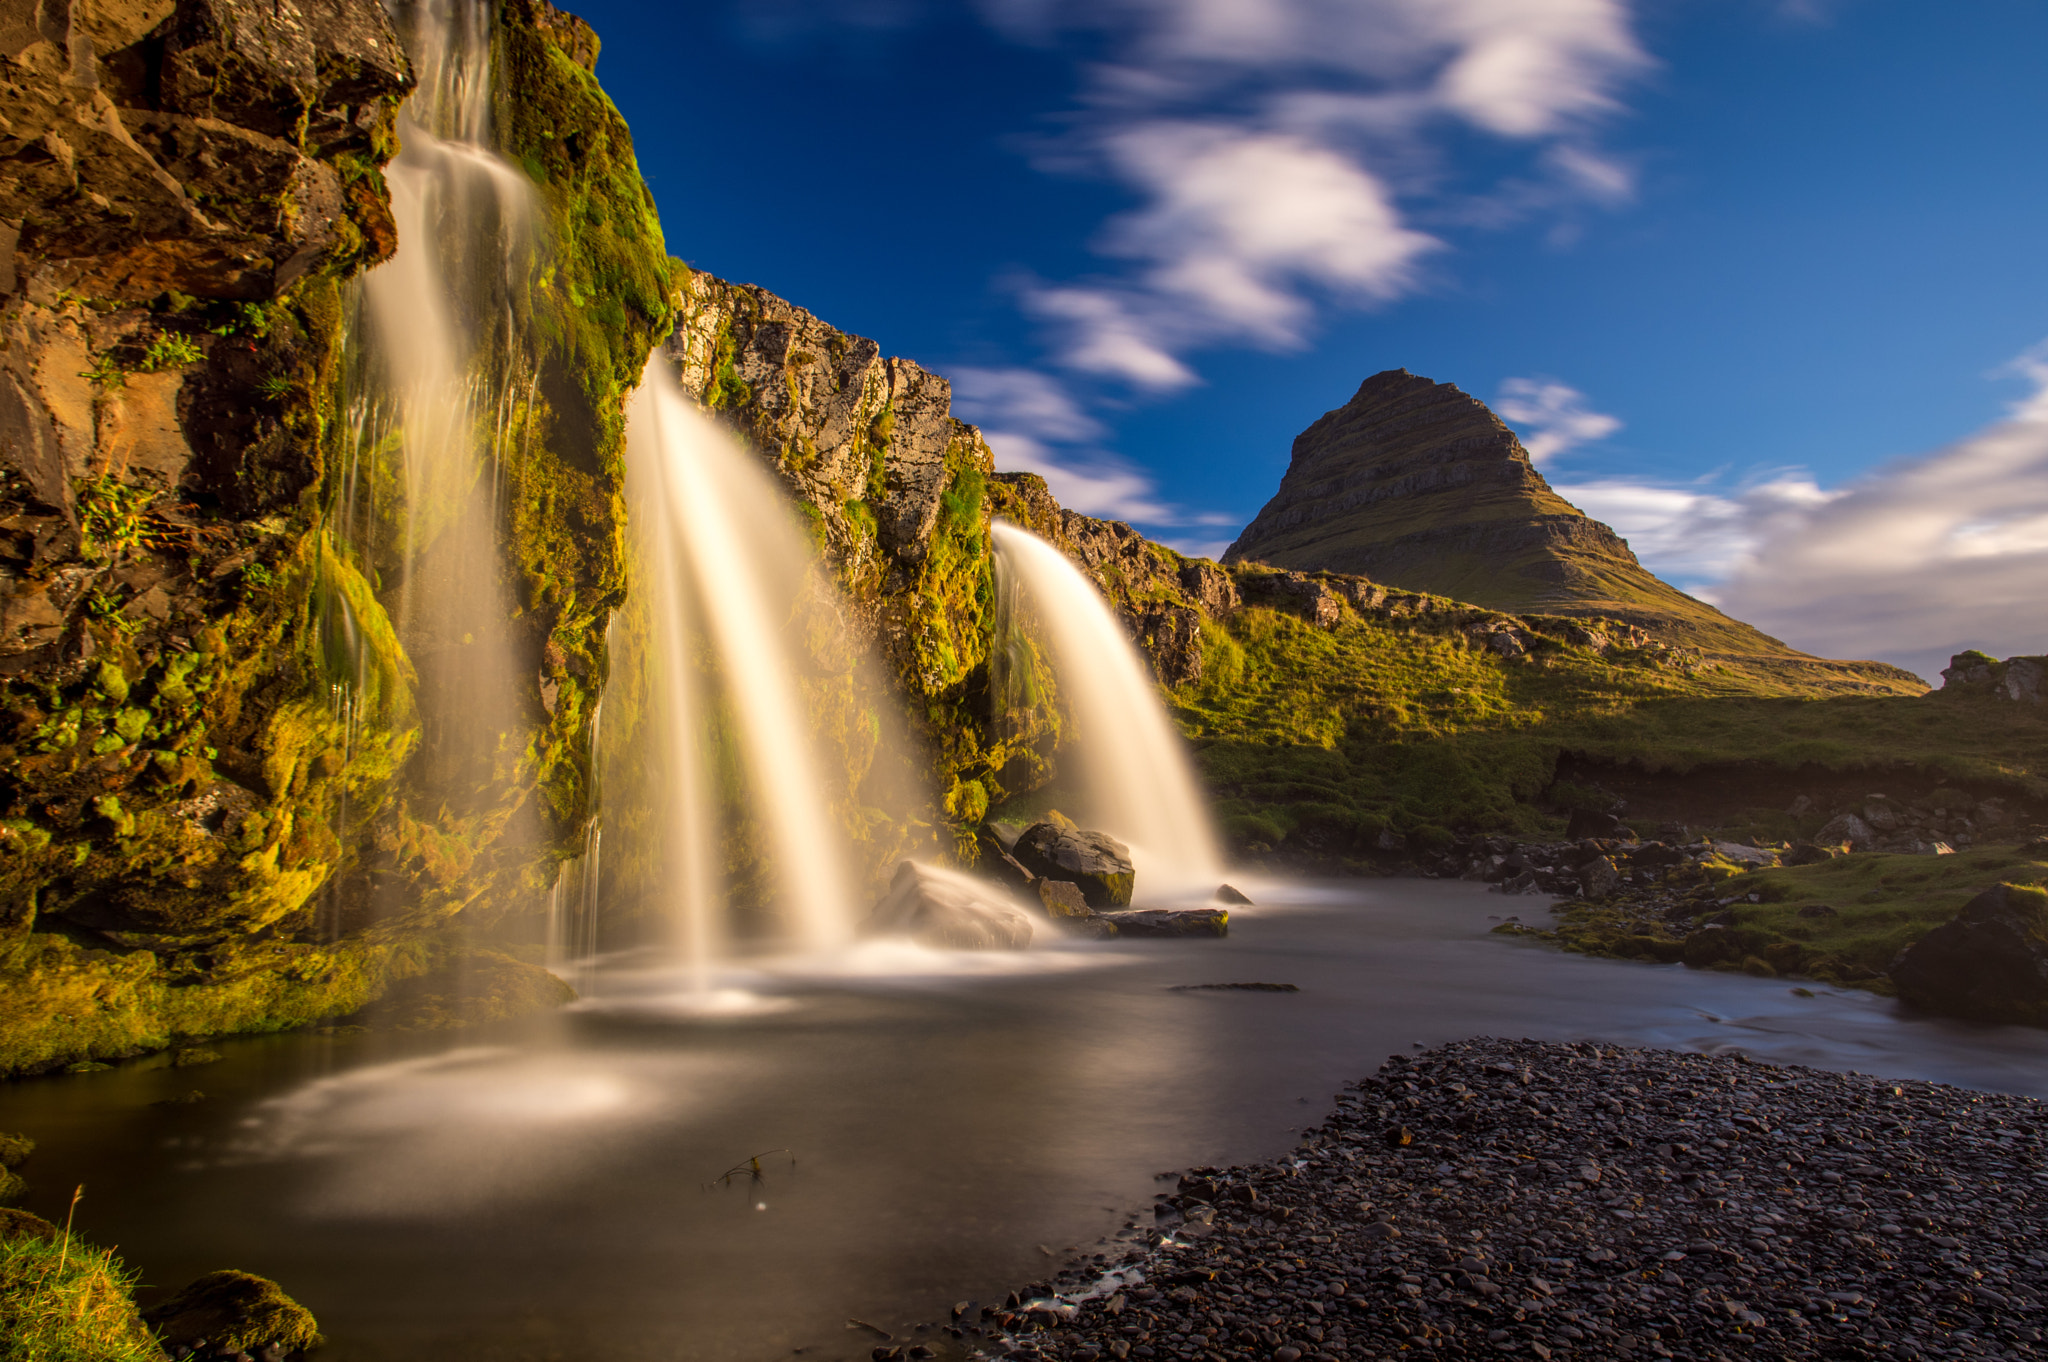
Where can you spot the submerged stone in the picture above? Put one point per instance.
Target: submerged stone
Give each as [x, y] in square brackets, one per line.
[1095, 861]
[947, 909]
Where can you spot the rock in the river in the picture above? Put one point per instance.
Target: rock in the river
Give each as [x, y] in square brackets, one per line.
[234, 1312]
[1989, 963]
[1172, 922]
[1226, 893]
[1095, 861]
[1062, 898]
[946, 908]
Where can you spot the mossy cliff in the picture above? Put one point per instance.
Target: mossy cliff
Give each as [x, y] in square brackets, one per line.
[1340, 721]
[207, 722]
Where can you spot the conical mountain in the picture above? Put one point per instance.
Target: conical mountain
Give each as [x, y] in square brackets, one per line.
[1419, 485]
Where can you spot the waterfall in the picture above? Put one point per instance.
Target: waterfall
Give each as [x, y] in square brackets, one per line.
[440, 374]
[730, 581]
[1137, 782]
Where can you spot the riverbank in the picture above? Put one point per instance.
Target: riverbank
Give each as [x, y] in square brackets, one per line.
[1555, 1200]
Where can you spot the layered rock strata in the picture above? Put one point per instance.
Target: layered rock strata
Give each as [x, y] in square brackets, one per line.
[1417, 484]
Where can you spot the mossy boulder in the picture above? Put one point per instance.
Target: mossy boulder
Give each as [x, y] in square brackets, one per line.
[234, 1312]
[15, 1149]
[1989, 964]
[1095, 862]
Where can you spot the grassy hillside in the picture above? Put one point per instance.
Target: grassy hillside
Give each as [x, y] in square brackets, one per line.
[1320, 740]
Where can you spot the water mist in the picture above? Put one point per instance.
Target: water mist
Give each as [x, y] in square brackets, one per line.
[1136, 780]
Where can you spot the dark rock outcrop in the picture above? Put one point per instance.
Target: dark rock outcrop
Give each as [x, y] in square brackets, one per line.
[2016, 678]
[950, 910]
[1094, 861]
[1989, 963]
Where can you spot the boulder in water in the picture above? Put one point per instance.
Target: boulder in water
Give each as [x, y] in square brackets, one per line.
[948, 909]
[1989, 963]
[1226, 893]
[1095, 861]
[234, 1312]
[1170, 922]
[1062, 898]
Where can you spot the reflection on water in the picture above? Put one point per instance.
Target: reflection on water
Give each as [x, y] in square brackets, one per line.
[543, 1193]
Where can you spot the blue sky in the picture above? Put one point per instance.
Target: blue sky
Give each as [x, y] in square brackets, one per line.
[1760, 280]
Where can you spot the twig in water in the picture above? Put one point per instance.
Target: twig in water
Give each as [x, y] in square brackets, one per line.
[751, 1167]
[877, 1330]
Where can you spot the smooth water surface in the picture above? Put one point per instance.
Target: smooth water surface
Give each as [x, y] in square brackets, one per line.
[957, 1123]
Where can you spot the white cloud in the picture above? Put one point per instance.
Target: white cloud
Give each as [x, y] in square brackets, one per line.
[1271, 143]
[1910, 564]
[1550, 417]
[1021, 399]
[1102, 490]
[1692, 534]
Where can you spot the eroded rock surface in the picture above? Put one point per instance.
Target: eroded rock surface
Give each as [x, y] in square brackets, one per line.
[1094, 862]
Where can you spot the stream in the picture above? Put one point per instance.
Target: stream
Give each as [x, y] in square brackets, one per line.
[954, 1124]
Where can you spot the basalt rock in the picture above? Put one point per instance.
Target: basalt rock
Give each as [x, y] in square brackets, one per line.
[1098, 864]
[1172, 922]
[1989, 963]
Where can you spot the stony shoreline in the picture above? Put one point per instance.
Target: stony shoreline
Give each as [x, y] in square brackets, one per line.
[1554, 1200]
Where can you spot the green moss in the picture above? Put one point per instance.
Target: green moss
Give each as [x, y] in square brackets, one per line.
[236, 1312]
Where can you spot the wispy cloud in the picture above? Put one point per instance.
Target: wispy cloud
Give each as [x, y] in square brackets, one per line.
[1271, 144]
[1910, 564]
[1550, 417]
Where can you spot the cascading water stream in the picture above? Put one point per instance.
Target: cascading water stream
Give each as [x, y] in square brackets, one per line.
[1137, 782]
[728, 572]
[440, 364]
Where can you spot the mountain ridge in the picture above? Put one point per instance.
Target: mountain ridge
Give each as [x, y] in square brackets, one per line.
[1420, 485]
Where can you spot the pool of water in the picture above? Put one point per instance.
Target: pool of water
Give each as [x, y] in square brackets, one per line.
[946, 1126]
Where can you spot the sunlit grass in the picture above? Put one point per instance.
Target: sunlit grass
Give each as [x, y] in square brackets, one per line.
[63, 1300]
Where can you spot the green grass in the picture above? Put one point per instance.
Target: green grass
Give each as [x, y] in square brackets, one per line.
[1325, 738]
[63, 1300]
[1882, 904]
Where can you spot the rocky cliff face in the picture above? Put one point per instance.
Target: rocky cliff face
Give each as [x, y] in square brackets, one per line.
[1417, 484]
[190, 822]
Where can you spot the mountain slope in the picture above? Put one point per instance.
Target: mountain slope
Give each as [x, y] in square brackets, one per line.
[1417, 484]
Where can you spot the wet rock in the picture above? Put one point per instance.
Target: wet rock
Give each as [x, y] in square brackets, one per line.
[1599, 878]
[1580, 1201]
[996, 860]
[1228, 894]
[950, 910]
[1989, 963]
[1096, 862]
[1062, 898]
[14, 1222]
[233, 1312]
[1172, 922]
